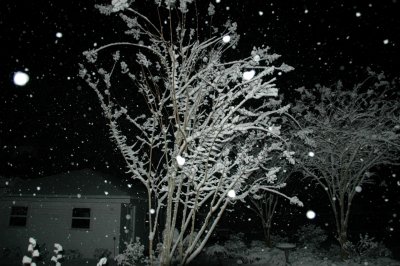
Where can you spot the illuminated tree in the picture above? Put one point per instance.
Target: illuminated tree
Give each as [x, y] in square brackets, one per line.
[345, 134]
[264, 204]
[183, 147]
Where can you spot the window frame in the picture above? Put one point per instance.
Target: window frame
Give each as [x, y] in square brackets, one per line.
[76, 218]
[14, 216]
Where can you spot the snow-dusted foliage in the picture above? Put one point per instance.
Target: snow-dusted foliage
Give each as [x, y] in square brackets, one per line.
[345, 133]
[58, 257]
[367, 247]
[102, 261]
[192, 148]
[32, 258]
[132, 255]
[264, 204]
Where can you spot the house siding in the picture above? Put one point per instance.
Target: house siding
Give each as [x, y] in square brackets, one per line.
[49, 221]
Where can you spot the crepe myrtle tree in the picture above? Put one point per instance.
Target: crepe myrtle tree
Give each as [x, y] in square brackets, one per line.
[278, 169]
[346, 132]
[264, 204]
[198, 103]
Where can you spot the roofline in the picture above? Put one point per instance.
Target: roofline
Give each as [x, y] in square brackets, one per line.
[49, 196]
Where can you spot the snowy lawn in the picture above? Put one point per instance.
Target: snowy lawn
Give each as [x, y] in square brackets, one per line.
[252, 256]
[74, 262]
[276, 257]
[260, 256]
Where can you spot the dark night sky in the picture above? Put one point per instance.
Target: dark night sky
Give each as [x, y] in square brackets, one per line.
[54, 124]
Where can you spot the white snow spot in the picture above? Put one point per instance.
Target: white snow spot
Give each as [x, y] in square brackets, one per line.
[217, 1]
[128, 217]
[248, 75]
[20, 78]
[37, 188]
[306, 11]
[180, 160]
[231, 193]
[358, 189]
[106, 192]
[256, 58]
[59, 34]
[358, 14]
[102, 261]
[385, 41]
[260, 13]
[311, 154]
[226, 38]
[78, 196]
[152, 211]
[310, 214]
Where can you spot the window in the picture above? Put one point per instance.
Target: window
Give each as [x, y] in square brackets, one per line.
[81, 218]
[18, 216]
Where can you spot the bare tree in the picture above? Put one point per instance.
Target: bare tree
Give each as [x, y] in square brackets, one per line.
[198, 105]
[346, 134]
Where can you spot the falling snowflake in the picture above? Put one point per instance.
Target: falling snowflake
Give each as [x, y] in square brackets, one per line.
[311, 154]
[152, 211]
[386, 41]
[180, 160]
[231, 193]
[226, 39]
[106, 192]
[310, 214]
[59, 34]
[20, 78]
[358, 189]
[358, 14]
[248, 75]
[128, 217]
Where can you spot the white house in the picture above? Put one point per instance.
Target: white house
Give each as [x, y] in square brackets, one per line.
[82, 210]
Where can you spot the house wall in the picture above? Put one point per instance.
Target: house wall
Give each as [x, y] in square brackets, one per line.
[49, 221]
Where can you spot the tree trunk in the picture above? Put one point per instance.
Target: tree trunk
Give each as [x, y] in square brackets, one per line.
[267, 235]
[344, 253]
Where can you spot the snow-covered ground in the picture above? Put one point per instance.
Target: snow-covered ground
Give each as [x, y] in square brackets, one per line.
[275, 257]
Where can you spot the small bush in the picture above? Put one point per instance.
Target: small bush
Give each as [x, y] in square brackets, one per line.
[311, 236]
[132, 255]
[367, 247]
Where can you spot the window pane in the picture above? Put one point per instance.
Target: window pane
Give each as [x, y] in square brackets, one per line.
[17, 221]
[19, 210]
[81, 223]
[81, 212]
